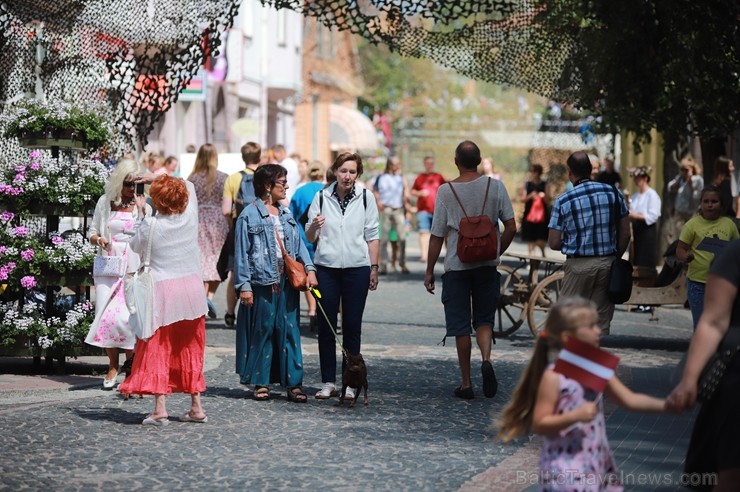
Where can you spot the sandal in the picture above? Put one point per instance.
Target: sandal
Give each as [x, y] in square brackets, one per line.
[464, 393]
[229, 320]
[261, 393]
[297, 395]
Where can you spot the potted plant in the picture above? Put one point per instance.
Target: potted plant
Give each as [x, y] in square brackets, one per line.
[64, 186]
[43, 124]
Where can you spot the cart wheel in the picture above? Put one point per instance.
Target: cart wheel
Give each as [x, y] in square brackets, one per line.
[544, 296]
[512, 302]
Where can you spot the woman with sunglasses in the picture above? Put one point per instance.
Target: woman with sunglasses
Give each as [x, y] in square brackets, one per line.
[111, 229]
[268, 337]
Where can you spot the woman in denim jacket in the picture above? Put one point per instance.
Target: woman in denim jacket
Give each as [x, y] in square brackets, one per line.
[268, 339]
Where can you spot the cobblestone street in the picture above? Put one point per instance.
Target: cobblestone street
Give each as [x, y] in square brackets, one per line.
[414, 435]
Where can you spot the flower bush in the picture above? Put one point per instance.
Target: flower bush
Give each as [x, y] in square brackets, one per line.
[62, 331]
[33, 116]
[24, 258]
[70, 183]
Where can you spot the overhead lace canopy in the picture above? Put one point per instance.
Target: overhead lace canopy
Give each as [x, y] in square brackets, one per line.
[497, 41]
[136, 55]
[132, 55]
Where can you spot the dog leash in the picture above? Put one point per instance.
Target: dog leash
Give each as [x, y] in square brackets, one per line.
[317, 295]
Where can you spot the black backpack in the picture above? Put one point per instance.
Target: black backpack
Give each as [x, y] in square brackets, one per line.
[246, 194]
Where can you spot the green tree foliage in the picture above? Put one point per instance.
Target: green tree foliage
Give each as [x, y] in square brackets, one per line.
[673, 65]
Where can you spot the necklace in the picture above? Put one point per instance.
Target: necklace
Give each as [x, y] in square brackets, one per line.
[131, 203]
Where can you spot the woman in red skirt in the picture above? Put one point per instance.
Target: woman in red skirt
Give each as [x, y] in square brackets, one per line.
[171, 360]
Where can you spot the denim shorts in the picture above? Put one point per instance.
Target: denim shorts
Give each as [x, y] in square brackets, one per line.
[458, 286]
[424, 221]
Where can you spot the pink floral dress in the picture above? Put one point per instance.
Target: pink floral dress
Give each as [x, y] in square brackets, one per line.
[110, 329]
[579, 458]
[212, 225]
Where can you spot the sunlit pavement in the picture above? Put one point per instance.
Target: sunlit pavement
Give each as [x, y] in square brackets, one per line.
[65, 433]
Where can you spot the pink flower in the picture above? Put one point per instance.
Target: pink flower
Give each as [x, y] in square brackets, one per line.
[20, 231]
[7, 216]
[28, 282]
[57, 240]
[35, 154]
[4, 273]
[27, 254]
[3, 249]
[11, 266]
[35, 166]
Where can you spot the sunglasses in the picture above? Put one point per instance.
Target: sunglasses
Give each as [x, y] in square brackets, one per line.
[281, 182]
[129, 184]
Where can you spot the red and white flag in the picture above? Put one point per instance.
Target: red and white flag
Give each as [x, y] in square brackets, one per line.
[589, 365]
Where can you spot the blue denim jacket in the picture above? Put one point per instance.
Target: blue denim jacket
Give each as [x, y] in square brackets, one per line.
[255, 254]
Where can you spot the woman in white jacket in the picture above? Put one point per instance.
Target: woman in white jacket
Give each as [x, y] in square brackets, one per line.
[343, 217]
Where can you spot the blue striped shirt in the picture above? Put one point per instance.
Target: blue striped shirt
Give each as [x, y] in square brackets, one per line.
[583, 216]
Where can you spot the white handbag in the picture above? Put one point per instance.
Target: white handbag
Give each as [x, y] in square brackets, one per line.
[109, 266]
[139, 293]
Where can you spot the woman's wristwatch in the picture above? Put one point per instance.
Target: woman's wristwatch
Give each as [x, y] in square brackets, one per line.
[374, 266]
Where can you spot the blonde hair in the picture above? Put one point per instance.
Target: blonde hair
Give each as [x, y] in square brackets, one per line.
[688, 160]
[124, 168]
[206, 162]
[565, 316]
[316, 171]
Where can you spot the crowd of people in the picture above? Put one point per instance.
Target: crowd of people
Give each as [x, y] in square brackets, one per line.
[248, 228]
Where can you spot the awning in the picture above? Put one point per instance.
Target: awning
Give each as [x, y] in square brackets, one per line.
[351, 130]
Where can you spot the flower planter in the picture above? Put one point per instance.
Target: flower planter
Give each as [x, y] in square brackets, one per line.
[23, 347]
[50, 277]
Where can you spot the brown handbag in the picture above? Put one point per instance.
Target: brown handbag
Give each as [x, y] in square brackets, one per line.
[294, 269]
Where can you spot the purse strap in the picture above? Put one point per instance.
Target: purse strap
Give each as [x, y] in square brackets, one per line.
[148, 253]
[485, 198]
[279, 241]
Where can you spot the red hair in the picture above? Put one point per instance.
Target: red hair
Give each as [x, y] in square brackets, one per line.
[169, 195]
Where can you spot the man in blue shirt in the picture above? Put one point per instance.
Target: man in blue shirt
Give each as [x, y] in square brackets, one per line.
[582, 226]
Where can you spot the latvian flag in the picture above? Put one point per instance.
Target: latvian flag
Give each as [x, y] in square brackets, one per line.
[589, 365]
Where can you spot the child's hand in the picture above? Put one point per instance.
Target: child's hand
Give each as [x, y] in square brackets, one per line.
[586, 412]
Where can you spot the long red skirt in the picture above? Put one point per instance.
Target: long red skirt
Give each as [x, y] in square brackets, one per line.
[171, 361]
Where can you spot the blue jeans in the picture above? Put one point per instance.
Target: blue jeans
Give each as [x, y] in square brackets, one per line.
[350, 286]
[695, 293]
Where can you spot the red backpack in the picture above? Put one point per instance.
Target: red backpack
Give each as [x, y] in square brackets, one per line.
[477, 236]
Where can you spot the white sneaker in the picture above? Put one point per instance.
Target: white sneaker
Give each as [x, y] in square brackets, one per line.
[349, 393]
[329, 390]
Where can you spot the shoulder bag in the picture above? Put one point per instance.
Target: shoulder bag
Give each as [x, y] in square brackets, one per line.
[109, 266]
[713, 372]
[139, 293]
[477, 239]
[294, 269]
[619, 289]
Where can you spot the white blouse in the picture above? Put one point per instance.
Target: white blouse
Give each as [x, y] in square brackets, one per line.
[646, 204]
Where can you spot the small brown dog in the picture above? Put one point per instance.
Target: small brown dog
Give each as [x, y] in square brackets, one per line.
[355, 376]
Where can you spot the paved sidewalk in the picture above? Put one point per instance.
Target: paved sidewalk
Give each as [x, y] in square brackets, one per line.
[413, 435]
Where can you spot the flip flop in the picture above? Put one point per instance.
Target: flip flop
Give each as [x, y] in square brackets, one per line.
[188, 418]
[156, 422]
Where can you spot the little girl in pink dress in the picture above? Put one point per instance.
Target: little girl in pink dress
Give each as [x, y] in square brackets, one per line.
[575, 452]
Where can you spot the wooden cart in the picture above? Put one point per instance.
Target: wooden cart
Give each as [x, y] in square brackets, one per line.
[525, 296]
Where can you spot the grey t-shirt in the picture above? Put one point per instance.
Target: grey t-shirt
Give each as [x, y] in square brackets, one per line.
[447, 214]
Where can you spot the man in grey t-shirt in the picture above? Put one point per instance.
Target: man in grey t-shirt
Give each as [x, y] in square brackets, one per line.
[470, 291]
